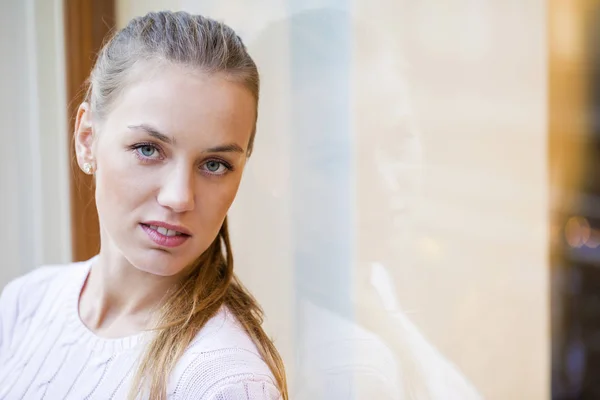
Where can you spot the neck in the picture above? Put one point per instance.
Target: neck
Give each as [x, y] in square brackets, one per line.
[118, 299]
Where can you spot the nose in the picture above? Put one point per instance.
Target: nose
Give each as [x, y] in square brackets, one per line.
[177, 191]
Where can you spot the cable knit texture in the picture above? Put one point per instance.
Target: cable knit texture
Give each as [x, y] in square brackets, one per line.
[46, 352]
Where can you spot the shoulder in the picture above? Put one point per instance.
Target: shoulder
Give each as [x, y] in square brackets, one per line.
[31, 294]
[34, 284]
[223, 363]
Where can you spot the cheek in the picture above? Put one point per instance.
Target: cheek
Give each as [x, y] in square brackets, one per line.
[214, 201]
[118, 187]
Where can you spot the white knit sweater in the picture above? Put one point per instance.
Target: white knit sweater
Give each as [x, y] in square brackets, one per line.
[46, 352]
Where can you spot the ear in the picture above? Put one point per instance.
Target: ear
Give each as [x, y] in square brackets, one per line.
[84, 136]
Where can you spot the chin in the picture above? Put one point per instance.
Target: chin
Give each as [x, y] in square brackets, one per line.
[159, 262]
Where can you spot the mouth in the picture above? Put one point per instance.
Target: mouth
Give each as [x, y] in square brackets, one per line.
[164, 231]
[166, 236]
[167, 229]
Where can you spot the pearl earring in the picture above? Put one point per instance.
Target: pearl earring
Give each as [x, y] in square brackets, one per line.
[87, 168]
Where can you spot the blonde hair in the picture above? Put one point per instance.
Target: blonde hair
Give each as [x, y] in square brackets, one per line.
[212, 47]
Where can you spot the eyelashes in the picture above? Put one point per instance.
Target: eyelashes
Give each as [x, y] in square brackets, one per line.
[149, 153]
[142, 147]
[216, 167]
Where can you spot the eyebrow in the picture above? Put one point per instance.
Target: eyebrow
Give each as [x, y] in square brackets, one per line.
[227, 148]
[153, 132]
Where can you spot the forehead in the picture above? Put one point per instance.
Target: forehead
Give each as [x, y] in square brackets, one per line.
[190, 104]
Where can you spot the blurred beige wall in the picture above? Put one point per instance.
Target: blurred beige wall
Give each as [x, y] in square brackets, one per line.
[447, 125]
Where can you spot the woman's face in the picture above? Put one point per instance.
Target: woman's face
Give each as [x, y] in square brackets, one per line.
[169, 158]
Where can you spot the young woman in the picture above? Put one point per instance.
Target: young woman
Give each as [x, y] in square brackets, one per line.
[166, 129]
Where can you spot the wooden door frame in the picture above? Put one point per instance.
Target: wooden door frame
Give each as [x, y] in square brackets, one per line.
[87, 23]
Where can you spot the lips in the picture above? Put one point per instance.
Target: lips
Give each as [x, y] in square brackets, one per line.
[165, 235]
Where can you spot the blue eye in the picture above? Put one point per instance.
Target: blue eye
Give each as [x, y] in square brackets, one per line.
[147, 151]
[213, 166]
[216, 167]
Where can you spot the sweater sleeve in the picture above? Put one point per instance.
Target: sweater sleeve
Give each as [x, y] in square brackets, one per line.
[222, 363]
[242, 376]
[245, 389]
